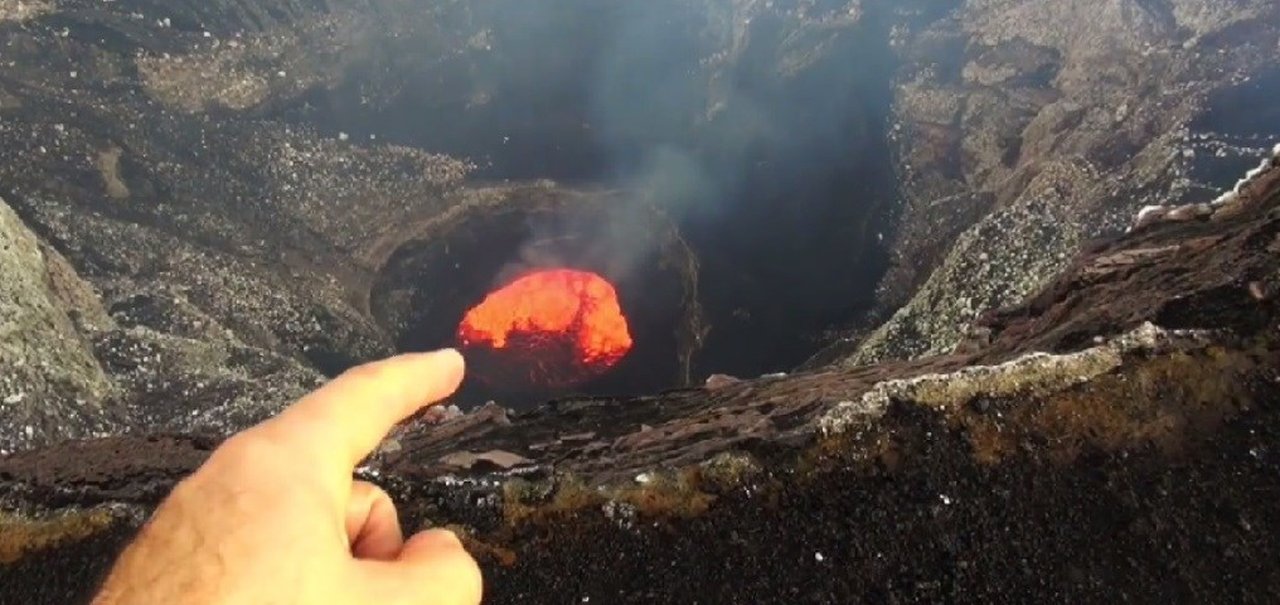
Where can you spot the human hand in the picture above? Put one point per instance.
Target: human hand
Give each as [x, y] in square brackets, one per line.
[274, 515]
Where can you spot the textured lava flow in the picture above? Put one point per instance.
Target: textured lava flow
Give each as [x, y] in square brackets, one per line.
[553, 328]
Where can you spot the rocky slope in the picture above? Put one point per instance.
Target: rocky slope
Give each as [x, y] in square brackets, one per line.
[174, 156]
[189, 241]
[170, 153]
[1113, 440]
[51, 377]
[199, 236]
[1025, 128]
[233, 254]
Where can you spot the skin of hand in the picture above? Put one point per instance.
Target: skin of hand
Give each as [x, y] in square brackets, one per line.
[275, 517]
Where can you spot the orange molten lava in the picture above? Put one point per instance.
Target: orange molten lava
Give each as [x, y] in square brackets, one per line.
[551, 328]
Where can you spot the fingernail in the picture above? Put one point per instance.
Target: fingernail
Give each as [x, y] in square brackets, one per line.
[454, 358]
[451, 352]
[449, 357]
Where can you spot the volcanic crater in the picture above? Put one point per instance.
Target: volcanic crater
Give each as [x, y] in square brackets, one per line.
[738, 244]
[432, 280]
[1025, 394]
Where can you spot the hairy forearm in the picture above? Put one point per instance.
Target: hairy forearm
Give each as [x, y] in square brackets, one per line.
[142, 580]
[164, 564]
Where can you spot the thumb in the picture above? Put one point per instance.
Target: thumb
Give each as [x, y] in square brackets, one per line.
[433, 568]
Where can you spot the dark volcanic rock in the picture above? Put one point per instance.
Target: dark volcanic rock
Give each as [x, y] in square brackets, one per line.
[1025, 128]
[1134, 460]
[172, 153]
[184, 251]
[235, 254]
[220, 246]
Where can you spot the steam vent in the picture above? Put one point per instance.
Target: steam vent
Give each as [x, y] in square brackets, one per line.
[847, 301]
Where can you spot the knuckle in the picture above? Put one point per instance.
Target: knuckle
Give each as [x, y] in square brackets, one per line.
[244, 448]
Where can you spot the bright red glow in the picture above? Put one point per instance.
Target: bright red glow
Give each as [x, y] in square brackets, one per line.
[552, 328]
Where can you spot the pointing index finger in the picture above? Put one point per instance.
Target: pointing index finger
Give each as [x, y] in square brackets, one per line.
[350, 416]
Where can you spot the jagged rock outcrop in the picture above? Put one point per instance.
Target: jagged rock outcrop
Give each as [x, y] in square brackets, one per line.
[51, 377]
[73, 371]
[1025, 128]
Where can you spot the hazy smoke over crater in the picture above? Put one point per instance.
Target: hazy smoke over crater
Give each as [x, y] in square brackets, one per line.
[757, 126]
[717, 111]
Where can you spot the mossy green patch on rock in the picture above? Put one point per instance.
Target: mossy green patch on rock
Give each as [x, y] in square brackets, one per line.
[1168, 402]
[1031, 375]
[653, 495]
[21, 536]
[1148, 389]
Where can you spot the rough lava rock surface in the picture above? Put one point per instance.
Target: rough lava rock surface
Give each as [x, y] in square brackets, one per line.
[51, 377]
[1051, 416]
[1113, 439]
[1024, 128]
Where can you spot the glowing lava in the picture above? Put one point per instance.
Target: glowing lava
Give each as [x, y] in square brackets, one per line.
[552, 328]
